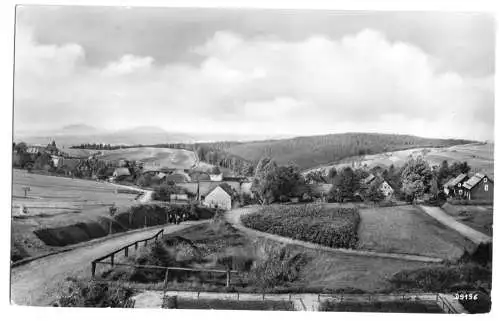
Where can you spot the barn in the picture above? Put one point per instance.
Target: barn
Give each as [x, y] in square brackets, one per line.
[479, 187]
[220, 197]
[454, 187]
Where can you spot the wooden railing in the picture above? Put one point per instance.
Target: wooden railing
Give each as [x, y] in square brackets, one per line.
[445, 305]
[125, 249]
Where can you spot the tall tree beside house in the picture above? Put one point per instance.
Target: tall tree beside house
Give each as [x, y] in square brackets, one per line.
[345, 185]
[458, 168]
[416, 176]
[374, 193]
[434, 187]
[264, 179]
[444, 172]
[332, 173]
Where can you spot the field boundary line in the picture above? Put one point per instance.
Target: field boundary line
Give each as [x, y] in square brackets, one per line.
[235, 220]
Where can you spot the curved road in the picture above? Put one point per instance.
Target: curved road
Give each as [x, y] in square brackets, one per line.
[36, 283]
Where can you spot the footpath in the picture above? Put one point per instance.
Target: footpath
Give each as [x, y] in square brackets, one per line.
[439, 215]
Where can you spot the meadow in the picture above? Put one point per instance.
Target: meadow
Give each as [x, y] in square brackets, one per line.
[152, 156]
[407, 230]
[478, 217]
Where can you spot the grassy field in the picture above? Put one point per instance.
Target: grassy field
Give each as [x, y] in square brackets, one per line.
[55, 202]
[162, 157]
[405, 229]
[480, 157]
[478, 217]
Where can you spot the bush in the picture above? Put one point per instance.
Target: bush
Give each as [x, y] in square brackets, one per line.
[280, 268]
[336, 227]
[80, 293]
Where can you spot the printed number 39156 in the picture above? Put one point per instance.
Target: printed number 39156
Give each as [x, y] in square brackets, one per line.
[466, 296]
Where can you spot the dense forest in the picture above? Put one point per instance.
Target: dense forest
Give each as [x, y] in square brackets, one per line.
[307, 152]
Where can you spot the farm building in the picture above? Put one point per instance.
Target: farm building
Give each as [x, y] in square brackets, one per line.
[220, 196]
[121, 171]
[216, 177]
[384, 187]
[479, 187]
[179, 198]
[454, 187]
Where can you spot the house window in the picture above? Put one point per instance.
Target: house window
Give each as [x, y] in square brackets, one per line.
[460, 192]
[485, 180]
[486, 188]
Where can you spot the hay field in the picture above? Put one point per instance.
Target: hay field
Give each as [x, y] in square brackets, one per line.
[152, 156]
[480, 157]
[478, 217]
[405, 229]
[54, 202]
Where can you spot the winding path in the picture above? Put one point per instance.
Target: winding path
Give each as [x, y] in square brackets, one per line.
[36, 283]
[234, 217]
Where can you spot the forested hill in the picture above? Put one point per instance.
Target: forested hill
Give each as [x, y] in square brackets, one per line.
[312, 151]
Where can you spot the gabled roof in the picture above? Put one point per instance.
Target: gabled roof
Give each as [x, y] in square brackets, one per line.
[121, 171]
[474, 180]
[454, 181]
[368, 179]
[161, 175]
[226, 188]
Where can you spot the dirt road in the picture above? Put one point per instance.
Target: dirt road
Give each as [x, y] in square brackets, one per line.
[470, 233]
[37, 282]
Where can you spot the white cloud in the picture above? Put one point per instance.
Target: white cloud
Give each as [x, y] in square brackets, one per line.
[361, 82]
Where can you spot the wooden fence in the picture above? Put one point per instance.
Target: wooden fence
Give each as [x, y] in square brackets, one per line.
[125, 249]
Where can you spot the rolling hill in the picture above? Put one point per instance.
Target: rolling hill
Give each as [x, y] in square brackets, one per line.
[312, 151]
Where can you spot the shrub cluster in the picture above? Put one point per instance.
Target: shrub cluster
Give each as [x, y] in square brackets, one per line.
[335, 227]
[81, 293]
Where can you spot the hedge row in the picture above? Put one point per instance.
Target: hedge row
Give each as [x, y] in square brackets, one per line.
[334, 227]
[470, 202]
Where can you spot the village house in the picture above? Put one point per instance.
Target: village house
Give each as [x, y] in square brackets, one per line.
[454, 187]
[121, 171]
[479, 187]
[384, 187]
[220, 197]
[216, 177]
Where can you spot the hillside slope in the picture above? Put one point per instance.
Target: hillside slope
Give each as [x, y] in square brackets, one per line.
[308, 152]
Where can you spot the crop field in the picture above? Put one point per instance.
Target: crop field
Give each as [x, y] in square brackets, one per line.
[480, 157]
[478, 217]
[405, 229]
[161, 157]
[334, 227]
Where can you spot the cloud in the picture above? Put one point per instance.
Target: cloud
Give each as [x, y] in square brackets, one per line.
[361, 82]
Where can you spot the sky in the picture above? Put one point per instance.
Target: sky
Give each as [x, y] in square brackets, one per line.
[265, 72]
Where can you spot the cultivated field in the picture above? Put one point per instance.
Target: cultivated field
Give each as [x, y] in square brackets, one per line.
[151, 156]
[57, 201]
[405, 229]
[480, 157]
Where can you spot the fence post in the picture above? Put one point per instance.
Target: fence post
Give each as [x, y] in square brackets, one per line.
[93, 268]
[166, 281]
[126, 251]
[145, 243]
[112, 259]
[136, 245]
[228, 278]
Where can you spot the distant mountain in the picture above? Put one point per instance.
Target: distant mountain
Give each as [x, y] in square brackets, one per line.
[80, 134]
[312, 151]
